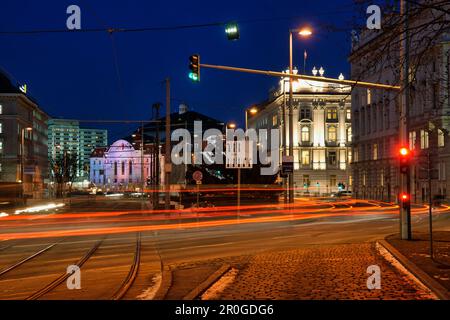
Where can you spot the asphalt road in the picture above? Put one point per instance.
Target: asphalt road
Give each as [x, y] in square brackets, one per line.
[173, 238]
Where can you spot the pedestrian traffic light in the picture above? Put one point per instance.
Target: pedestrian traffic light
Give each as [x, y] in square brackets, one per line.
[194, 66]
[232, 31]
[405, 159]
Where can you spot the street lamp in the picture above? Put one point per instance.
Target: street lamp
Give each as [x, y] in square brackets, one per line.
[253, 111]
[304, 32]
[231, 125]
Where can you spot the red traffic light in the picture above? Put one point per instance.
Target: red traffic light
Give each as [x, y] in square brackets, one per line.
[404, 197]
[404, 152]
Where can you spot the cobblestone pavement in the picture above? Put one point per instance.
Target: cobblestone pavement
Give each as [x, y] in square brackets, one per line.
[320, 272]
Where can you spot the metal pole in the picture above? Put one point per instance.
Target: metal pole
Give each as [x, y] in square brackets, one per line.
[291, 121]
[284, 139]
[404, 179]
[157, 164]
[301, 76]
[167, 167]
[239, 192]
[142, 162]
[430, 205]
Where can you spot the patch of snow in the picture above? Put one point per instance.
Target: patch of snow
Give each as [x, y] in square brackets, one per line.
[219, 286]
[149, 293]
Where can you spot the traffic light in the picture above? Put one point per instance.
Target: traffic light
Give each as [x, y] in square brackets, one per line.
[405, 200]
[405, 160]
[194, 66]
[232, 31]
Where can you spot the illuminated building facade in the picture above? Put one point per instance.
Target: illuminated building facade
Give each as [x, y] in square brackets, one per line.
[322, 131]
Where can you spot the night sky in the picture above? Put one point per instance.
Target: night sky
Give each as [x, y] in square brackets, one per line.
[74, 75]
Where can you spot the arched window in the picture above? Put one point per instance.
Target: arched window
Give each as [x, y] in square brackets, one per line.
[306, 136]
[115, 168]
[130, 163]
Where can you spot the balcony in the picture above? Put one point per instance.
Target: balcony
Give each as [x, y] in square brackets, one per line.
[331, 143]
[305, 144]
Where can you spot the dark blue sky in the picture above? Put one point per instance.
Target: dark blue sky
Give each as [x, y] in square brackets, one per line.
[73, 75]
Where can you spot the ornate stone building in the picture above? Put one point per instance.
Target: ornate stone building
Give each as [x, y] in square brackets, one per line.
[322, 131]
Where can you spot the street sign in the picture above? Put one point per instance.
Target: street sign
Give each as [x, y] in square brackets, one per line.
[287, 164]
[197, 176]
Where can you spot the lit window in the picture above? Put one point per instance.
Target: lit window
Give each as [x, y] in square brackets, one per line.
[305, 158]
[349, 156]
[441, 138]
[332, 158]
[412, 140]
[1, 146]
[348, 114]
[375, 151]
[369, 96]
[332, 134]
[275, 120]
[424, 139]
[332, 114]
[1, 109]
[1, 127]
[349, 134]
[305, 134]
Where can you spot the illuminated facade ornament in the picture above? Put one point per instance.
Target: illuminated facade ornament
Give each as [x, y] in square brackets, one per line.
[341, 77]
[314, 71]
[321, 71]
[23, 88]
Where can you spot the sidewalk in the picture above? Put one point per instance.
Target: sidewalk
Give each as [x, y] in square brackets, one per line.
[318, 272]
[417, 252]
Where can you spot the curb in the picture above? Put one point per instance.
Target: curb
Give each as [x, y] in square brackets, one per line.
[166, 283]
[439, 290]
[202, 287]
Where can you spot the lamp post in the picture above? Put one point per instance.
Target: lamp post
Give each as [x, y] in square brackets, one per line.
[305, 32]
[22, 155]
[253, 111]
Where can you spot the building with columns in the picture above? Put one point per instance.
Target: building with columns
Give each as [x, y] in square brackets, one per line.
[322, 131]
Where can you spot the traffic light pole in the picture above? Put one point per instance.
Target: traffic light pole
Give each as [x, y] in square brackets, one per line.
[167, 163]
[404, 181]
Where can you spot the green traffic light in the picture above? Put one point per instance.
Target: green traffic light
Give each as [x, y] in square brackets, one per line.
[193, 76]
[232, 31]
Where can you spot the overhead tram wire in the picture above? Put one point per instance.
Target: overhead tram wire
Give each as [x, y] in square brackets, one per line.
[170, 28]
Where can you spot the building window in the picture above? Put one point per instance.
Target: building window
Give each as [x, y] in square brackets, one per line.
[332, 158]
[275, 120]
[441, 138]
[424, 139]
[1, 109]
[130, 163]
[412, 140]
[306, 160]
[123, 167]
[349, 156]
[375, 151]
[348, 114]
[349, 135]
[369, 96]
[115, 170]
[305, 113]
[333, 181]
[332, 114]
[1, 127]
[306, 137]
[332, 133]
